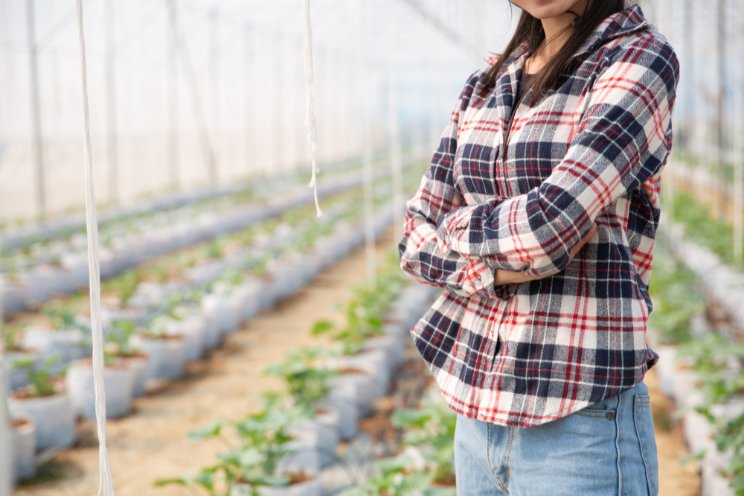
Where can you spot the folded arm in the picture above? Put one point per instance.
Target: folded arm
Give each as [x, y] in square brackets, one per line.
[623, 139]
[419, 248]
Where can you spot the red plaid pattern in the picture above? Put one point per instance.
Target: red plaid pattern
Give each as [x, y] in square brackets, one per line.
[590, 151]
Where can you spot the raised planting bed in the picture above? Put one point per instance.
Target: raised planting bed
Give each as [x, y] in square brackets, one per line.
[56, 267]
[242, 281]
[131, 339]
[701, 345]
[283, 448]
[46, 403]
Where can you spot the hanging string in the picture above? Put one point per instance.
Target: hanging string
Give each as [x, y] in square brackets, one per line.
[310, 122]
[105, 485]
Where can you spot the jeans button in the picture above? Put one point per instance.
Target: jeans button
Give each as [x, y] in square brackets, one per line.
[610, 415]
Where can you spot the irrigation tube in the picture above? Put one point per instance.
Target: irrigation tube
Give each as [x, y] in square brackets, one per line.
[310, 122]
[94, 274]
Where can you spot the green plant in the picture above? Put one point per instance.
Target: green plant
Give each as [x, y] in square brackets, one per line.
[119, 338]
[431, 429]
[124, 286]
[730, 438]
[395, 477]
[10, 334]
[63, 317]
[177, 303]
[715, 234]
[307, 383]
[39, 376]
[365, 310]
[11, 267]
[158, 326]
[232, 277]
[258, 444]
[214, 250]
[262, 264]
[676, 296]
[717, 362]
[156, 272]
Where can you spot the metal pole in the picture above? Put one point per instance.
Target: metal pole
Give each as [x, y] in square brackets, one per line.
[247, 90]
[278, 124]
[259, 126]
[214, 56]
[366, 146]
[36, 130]
[348, 117]
[300, 136]
[721, 158]
[396, 156]
[737, 157]
[173, 104]
[289, 142]
[207, 145]
[111, 142]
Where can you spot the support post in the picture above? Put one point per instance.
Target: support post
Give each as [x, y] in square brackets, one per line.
[36, 128]
[112, 147]
[173, 104]
[721, 142]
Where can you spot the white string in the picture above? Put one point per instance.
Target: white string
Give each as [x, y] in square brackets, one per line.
[310, 122]
[105, 485]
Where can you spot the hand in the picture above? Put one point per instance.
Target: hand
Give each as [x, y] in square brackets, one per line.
[511, 277]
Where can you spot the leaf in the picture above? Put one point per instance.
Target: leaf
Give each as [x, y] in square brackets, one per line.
[321, 327]
[212, 430]
[175, 481]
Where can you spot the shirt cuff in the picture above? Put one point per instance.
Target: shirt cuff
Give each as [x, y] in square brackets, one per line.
[479, 278]
[452, 224]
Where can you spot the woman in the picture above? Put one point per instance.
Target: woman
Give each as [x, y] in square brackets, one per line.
[537, 217]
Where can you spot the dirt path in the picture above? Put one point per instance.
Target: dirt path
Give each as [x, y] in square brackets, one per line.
[151, 442]
[674, 478]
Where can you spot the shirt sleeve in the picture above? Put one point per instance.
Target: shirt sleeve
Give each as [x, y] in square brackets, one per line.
[622, 140]
[421, 252]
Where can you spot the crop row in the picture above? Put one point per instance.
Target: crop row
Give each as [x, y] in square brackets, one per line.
[163, 326]
[697, 321]
[58, 265]
[290, 446]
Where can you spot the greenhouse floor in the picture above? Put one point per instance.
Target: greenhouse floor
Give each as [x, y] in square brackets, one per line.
[675, 479]
[151, 443]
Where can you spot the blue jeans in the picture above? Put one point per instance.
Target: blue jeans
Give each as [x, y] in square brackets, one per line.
[605, 449]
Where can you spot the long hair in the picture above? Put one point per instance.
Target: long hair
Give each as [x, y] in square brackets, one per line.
[529, 28]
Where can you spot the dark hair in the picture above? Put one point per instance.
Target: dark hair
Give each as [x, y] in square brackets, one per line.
[530, 29]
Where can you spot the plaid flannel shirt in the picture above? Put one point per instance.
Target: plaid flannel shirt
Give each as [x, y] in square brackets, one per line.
[589, 151]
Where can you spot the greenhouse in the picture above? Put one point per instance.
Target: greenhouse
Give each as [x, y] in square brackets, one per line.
[372, 248]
